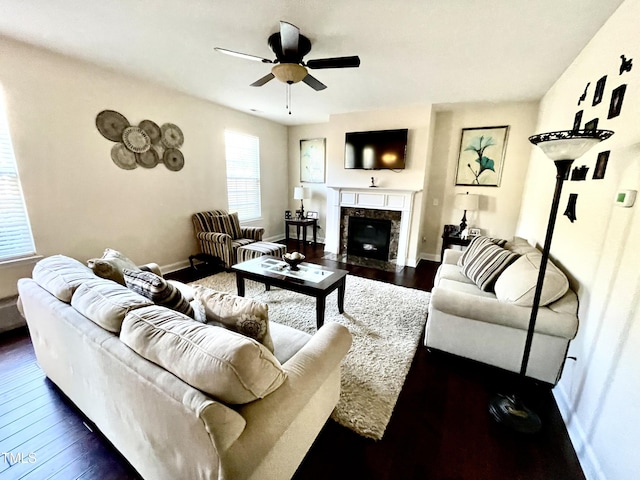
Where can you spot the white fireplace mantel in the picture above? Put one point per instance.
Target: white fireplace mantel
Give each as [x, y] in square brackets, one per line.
[394, 199]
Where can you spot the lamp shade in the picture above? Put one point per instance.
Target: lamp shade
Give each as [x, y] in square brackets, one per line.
[300, 193]
[568, 144]
[464, 201]
[289, 72]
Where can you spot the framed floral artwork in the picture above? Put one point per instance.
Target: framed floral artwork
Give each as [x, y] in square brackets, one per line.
[481, 156]
[312, 154]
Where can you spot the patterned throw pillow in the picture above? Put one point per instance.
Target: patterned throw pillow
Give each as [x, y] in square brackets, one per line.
[229, 224]
[111, 265]
[486, 263]
[476, 244]
[158, 290]
[239, 314]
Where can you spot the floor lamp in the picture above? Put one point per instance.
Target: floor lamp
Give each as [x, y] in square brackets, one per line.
[563, 148]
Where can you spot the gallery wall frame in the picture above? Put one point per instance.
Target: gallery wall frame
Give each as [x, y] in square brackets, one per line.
[312, 160]
[481, 156]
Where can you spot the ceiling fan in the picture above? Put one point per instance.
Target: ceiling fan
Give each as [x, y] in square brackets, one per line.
[290, 46]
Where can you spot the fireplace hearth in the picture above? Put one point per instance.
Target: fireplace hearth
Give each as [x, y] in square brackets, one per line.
[369, 238]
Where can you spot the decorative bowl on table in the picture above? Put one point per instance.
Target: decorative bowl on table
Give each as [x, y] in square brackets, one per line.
[293, 259]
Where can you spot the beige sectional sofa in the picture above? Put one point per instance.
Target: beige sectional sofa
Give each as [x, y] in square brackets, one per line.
[275, 403]
[490, 325]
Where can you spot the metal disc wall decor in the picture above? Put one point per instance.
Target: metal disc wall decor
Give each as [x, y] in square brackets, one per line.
[111, 125]
[152, 129]
[136, 139]
[148, 159]
[173, 159]
[145, 145]
[172, 136]
[123, 157]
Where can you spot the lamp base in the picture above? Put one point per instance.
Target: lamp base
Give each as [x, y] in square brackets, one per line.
[512, 413]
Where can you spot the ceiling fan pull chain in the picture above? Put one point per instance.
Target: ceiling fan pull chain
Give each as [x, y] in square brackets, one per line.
[288, 99]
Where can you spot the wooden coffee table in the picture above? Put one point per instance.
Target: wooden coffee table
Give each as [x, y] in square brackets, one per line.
[313, 280]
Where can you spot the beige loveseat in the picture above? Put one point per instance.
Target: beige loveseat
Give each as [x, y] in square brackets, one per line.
[165, 427]
[491, 326]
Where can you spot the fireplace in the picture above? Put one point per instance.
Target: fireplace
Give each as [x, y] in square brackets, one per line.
[369, 237]
[373, 203]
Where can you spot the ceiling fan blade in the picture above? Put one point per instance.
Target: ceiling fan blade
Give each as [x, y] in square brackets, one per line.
[289, 37]
[314, 83]
[263, 80]
[242, 55]
[338, 62]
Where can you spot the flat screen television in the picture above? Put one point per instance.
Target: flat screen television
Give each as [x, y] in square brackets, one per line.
[382, 149]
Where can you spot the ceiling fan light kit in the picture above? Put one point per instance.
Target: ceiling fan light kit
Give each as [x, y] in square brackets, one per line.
[289, 47]
[289, 72]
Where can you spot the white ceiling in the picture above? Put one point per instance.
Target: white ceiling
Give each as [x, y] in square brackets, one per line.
[413, 52]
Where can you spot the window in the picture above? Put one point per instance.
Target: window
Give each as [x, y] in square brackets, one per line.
[16, 240]
[243, 174]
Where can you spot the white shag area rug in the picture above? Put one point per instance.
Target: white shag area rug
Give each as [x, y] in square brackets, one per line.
[386, 322]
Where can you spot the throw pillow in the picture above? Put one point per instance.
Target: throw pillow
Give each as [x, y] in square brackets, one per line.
[517, 284]
[228, 366]
[486, 264]
[158, 290]
[476, 244]
[229, 224]
[111, 264]
[239, 314]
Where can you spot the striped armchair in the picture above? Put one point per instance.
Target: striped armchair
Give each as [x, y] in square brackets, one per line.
[219, 234]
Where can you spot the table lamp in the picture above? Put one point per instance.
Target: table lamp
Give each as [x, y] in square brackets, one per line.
[300, 193]
[464, 201]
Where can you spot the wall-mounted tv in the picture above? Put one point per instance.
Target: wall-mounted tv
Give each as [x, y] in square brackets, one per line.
[376, 150]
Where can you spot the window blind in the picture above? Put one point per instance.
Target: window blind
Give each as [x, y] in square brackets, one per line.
[16, 239]
[243, 174]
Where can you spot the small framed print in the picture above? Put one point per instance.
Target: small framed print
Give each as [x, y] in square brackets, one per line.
[617, 96]
[601, 165]
[474, 232]
[311, 214]
[577, 120]
[312, 156]
[591, 125]
[597, 95]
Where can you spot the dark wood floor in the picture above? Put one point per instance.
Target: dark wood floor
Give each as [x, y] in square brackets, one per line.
[440, 428]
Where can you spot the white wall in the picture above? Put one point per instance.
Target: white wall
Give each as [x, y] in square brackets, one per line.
[499, 206]
[79, 202]
[416, 119]
[599, 394]
[318, 200]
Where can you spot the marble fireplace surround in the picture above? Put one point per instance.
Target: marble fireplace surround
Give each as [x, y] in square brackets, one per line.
[393, 200]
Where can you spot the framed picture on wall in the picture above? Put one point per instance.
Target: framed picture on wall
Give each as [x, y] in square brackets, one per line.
[481, 156]
[312, 156]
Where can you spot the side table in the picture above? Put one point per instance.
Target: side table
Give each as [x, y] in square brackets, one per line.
[304, 223]
[448, 240]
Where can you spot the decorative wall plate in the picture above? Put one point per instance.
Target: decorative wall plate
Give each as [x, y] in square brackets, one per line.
[152, 129]
[159, 148]
[136, 139]
[111, 125]
[173, 159]
[172, 136]
[122, 157]
[148, 159]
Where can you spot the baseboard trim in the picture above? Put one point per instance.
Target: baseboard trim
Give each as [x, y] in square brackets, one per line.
[174, 267]
[586, 456]
[10, 317]
[429, 257]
